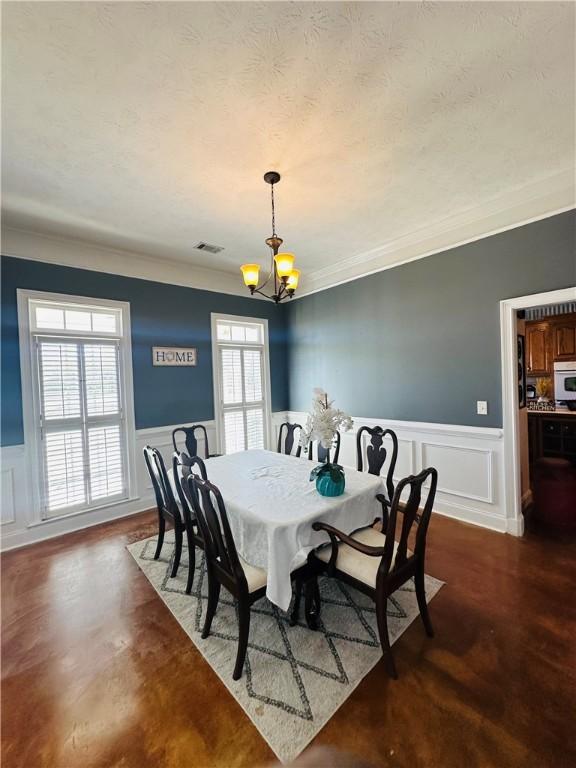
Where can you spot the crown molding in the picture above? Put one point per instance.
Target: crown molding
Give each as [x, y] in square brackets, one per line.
[539, 200]
[73, 252]
[535, 201]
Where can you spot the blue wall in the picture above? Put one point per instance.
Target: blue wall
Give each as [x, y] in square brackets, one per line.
[421, 342]
[165, 315]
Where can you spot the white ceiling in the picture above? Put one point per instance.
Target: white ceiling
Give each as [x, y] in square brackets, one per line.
[148, 126]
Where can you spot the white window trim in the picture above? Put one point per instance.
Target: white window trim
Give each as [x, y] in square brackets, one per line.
[218, 412]
[30, 406]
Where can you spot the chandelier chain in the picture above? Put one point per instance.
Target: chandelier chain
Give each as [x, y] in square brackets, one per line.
[273, 212]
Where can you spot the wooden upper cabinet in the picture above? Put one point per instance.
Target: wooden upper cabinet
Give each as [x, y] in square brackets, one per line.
[564, 341]
[538, 359]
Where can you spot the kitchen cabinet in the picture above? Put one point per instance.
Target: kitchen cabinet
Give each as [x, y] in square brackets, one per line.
[550, 341]
[538, 359]
[552, 435]
[564, 340]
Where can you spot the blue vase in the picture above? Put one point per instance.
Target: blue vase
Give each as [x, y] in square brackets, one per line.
[326, 485]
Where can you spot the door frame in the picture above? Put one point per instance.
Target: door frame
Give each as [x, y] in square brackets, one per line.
[508, 333]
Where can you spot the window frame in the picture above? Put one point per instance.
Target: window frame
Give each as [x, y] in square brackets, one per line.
[216, 376]
[30, 393]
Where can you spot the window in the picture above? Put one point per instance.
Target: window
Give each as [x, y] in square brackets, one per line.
[78, 364]
[241, 382]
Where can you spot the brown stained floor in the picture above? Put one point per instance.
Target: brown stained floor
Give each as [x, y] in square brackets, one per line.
[96, 671]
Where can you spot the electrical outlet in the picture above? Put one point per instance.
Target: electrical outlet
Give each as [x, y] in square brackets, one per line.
[482, 407]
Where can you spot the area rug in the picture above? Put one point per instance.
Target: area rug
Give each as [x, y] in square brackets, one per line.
[294, 679]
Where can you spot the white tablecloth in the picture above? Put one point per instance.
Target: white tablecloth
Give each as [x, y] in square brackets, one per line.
[272, 503]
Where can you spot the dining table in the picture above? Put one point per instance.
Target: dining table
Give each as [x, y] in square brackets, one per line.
[271, 504]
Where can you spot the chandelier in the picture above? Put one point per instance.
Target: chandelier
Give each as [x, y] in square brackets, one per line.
[282, 264]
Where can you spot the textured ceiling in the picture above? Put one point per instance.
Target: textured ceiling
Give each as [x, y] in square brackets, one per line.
[148, 126]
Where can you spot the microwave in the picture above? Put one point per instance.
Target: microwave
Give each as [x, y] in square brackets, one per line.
[565, 381]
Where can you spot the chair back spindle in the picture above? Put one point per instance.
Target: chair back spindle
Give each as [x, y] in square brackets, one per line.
[410, 516]
[287, 438]
[182, 467]
[162, 489]
[212, 519]
[376, 454]
[317, 452]
[191, 439]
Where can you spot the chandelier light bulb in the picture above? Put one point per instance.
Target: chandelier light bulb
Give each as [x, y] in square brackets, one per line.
[250, 273]
[292, 282]
[284, 264]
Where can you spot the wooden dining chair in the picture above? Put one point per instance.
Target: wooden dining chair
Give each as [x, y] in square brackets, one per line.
[182, 467]
[224, 565]
[377, 565]
[168, 509]
[317, 452]
[371, 456]
[191, 440]
[287, 438]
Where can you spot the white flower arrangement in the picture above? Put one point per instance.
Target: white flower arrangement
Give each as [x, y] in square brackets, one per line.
[324, 421]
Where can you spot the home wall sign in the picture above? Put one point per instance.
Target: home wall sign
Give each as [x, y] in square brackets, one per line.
[180, 356]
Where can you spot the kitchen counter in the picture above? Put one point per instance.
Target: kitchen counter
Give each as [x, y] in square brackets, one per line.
[558, 412]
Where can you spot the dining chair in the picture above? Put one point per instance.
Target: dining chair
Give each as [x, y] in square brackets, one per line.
[372, 454]
[224, 565]
[191, 441]
[168, 509]
[317, 452]
[377, 565]
[182, 467]
[286, 438]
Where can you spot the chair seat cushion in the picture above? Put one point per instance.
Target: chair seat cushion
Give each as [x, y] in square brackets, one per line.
[255, 577]
[361, 567]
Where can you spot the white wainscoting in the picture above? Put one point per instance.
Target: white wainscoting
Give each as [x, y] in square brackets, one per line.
[469, 461]
[19, 524]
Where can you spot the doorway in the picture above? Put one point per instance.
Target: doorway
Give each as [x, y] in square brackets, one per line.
[510, 397]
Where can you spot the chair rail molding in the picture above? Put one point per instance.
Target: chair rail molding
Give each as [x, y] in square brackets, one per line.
[16, 526]
[469, 461]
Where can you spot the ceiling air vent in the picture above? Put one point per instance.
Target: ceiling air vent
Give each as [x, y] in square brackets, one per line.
[207, 247]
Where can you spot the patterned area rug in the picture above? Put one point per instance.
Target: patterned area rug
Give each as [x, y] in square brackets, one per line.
[294, 679]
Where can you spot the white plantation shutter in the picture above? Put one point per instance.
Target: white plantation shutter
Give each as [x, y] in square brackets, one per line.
[60, 380]
[231, 367]
[82, 427]
[64, 452]
[243, 403]
[252, 375]
[255, 428]
[234, 435]
[102, 379]
[105, 459]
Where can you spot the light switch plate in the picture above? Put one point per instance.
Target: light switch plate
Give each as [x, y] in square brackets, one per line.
[482, 407]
